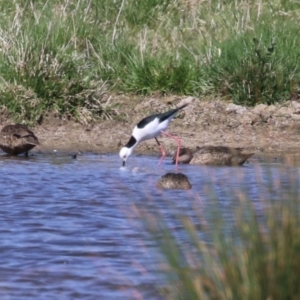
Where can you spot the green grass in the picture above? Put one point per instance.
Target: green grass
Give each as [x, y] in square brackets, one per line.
[65, 55]
[253, 254]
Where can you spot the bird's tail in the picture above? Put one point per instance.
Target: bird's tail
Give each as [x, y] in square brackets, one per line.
[182, 106]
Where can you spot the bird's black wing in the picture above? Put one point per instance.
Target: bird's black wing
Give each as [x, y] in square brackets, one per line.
[161, 117]
[146, 121]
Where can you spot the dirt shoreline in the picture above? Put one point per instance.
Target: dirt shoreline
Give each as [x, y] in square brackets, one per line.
[262, 129]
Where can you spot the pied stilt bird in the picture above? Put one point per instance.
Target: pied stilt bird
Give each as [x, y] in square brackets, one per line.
[151, 127]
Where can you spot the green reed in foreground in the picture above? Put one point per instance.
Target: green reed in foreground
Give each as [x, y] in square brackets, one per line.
[64, 55]
[257, 256]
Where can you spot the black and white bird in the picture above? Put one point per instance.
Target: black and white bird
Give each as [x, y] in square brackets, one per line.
[148, 128]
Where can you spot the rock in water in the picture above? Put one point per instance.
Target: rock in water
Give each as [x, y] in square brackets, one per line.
[177, 181]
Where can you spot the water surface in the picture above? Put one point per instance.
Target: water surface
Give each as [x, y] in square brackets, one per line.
[69, 228]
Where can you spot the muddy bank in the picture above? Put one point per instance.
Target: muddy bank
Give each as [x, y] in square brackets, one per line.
[262, 129]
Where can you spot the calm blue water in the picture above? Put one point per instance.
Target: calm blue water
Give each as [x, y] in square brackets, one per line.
[69, 228]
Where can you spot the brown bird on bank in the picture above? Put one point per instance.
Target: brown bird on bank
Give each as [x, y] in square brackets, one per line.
[220, 155]
[214, 155]
[185, 156]
[177, 181]
[17, 139]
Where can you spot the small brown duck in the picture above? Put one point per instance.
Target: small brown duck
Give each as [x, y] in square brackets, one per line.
[220, 155]
[177, 181]
[185, 156]
[17, 139]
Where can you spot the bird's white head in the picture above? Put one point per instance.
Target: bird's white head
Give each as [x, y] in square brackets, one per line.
[125, 152]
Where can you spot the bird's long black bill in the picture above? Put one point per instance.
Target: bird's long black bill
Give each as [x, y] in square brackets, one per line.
[123, 164]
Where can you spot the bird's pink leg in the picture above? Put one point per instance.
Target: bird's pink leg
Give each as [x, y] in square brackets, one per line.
[163, 151]
[178, 140]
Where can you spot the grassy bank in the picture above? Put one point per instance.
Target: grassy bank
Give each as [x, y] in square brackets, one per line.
[236, 247]
[64, 55]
